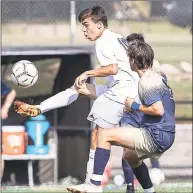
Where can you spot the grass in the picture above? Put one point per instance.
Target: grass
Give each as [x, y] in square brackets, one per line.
[163, 188]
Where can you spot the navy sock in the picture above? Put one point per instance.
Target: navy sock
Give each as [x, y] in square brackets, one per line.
[128, 173]
[155, 163]
[142, 175]
[101, 159]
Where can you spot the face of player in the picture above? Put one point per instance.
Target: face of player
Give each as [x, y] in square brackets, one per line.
[92, 31]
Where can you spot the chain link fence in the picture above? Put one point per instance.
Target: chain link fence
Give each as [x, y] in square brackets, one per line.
[49, 22]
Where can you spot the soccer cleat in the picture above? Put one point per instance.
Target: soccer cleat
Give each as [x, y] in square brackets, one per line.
[85, 188]
[25, 109]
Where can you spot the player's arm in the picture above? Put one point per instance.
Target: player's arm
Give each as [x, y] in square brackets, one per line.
[7, 103]
[107, 70]
[103, 71]
[9, 98]
[108, 62]
[88, 90]
[156, 109]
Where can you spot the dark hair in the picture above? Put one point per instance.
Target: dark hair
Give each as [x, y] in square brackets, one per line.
[135, 36]
[96, 13]
[141, 53]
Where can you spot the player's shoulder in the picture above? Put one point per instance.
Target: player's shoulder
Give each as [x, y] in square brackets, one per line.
[151, 79]
[151, 74]
[108, 37]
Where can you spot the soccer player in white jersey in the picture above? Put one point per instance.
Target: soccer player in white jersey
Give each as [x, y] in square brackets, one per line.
[122, 82]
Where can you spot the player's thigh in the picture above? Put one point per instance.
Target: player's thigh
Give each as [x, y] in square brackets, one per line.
[105, 112]
[120, 136]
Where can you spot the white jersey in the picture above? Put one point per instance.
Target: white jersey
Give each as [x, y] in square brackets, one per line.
[111, 49]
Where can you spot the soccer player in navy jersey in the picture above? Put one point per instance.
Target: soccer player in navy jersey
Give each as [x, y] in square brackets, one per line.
[135, 121]
[157, 130]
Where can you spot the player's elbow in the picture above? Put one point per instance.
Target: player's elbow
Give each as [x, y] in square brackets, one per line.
[114, 69]
[158, 111]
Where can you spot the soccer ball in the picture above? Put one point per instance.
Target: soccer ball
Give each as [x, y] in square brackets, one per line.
[157, 176]
[24, 74]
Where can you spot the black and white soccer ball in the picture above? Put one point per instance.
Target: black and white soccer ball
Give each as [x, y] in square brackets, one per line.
[24, 74]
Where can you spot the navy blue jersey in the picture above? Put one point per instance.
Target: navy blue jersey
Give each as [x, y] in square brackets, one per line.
[5, 89]
[133, 119]
[154, 88]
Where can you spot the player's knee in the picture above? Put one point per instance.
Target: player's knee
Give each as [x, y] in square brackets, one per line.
[94, 134]
[132, 160]
[128, 158]
[103, 134]
[136, 164]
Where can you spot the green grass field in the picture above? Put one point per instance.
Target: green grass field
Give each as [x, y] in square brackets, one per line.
[164, 188]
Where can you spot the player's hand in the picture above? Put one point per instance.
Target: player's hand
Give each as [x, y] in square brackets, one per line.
[81, 80]
[25, 109]
[84, 90]
[128, 103]
[4, 113]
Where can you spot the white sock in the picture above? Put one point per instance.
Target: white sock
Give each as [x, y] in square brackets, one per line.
[90, 165]
[149, 190]
[61, 99]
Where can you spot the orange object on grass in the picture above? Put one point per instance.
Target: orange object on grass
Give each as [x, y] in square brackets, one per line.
[13, 140]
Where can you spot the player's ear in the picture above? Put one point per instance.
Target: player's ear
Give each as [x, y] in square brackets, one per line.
[99, 25]
[139, 65]
[132, 61]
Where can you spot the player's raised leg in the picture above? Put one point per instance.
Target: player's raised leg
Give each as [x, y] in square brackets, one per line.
[59, 100]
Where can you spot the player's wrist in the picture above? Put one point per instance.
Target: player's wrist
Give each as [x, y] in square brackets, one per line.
[87, 73]
[135, 106]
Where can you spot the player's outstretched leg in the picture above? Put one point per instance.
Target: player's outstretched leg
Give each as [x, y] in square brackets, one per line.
[61, 99]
